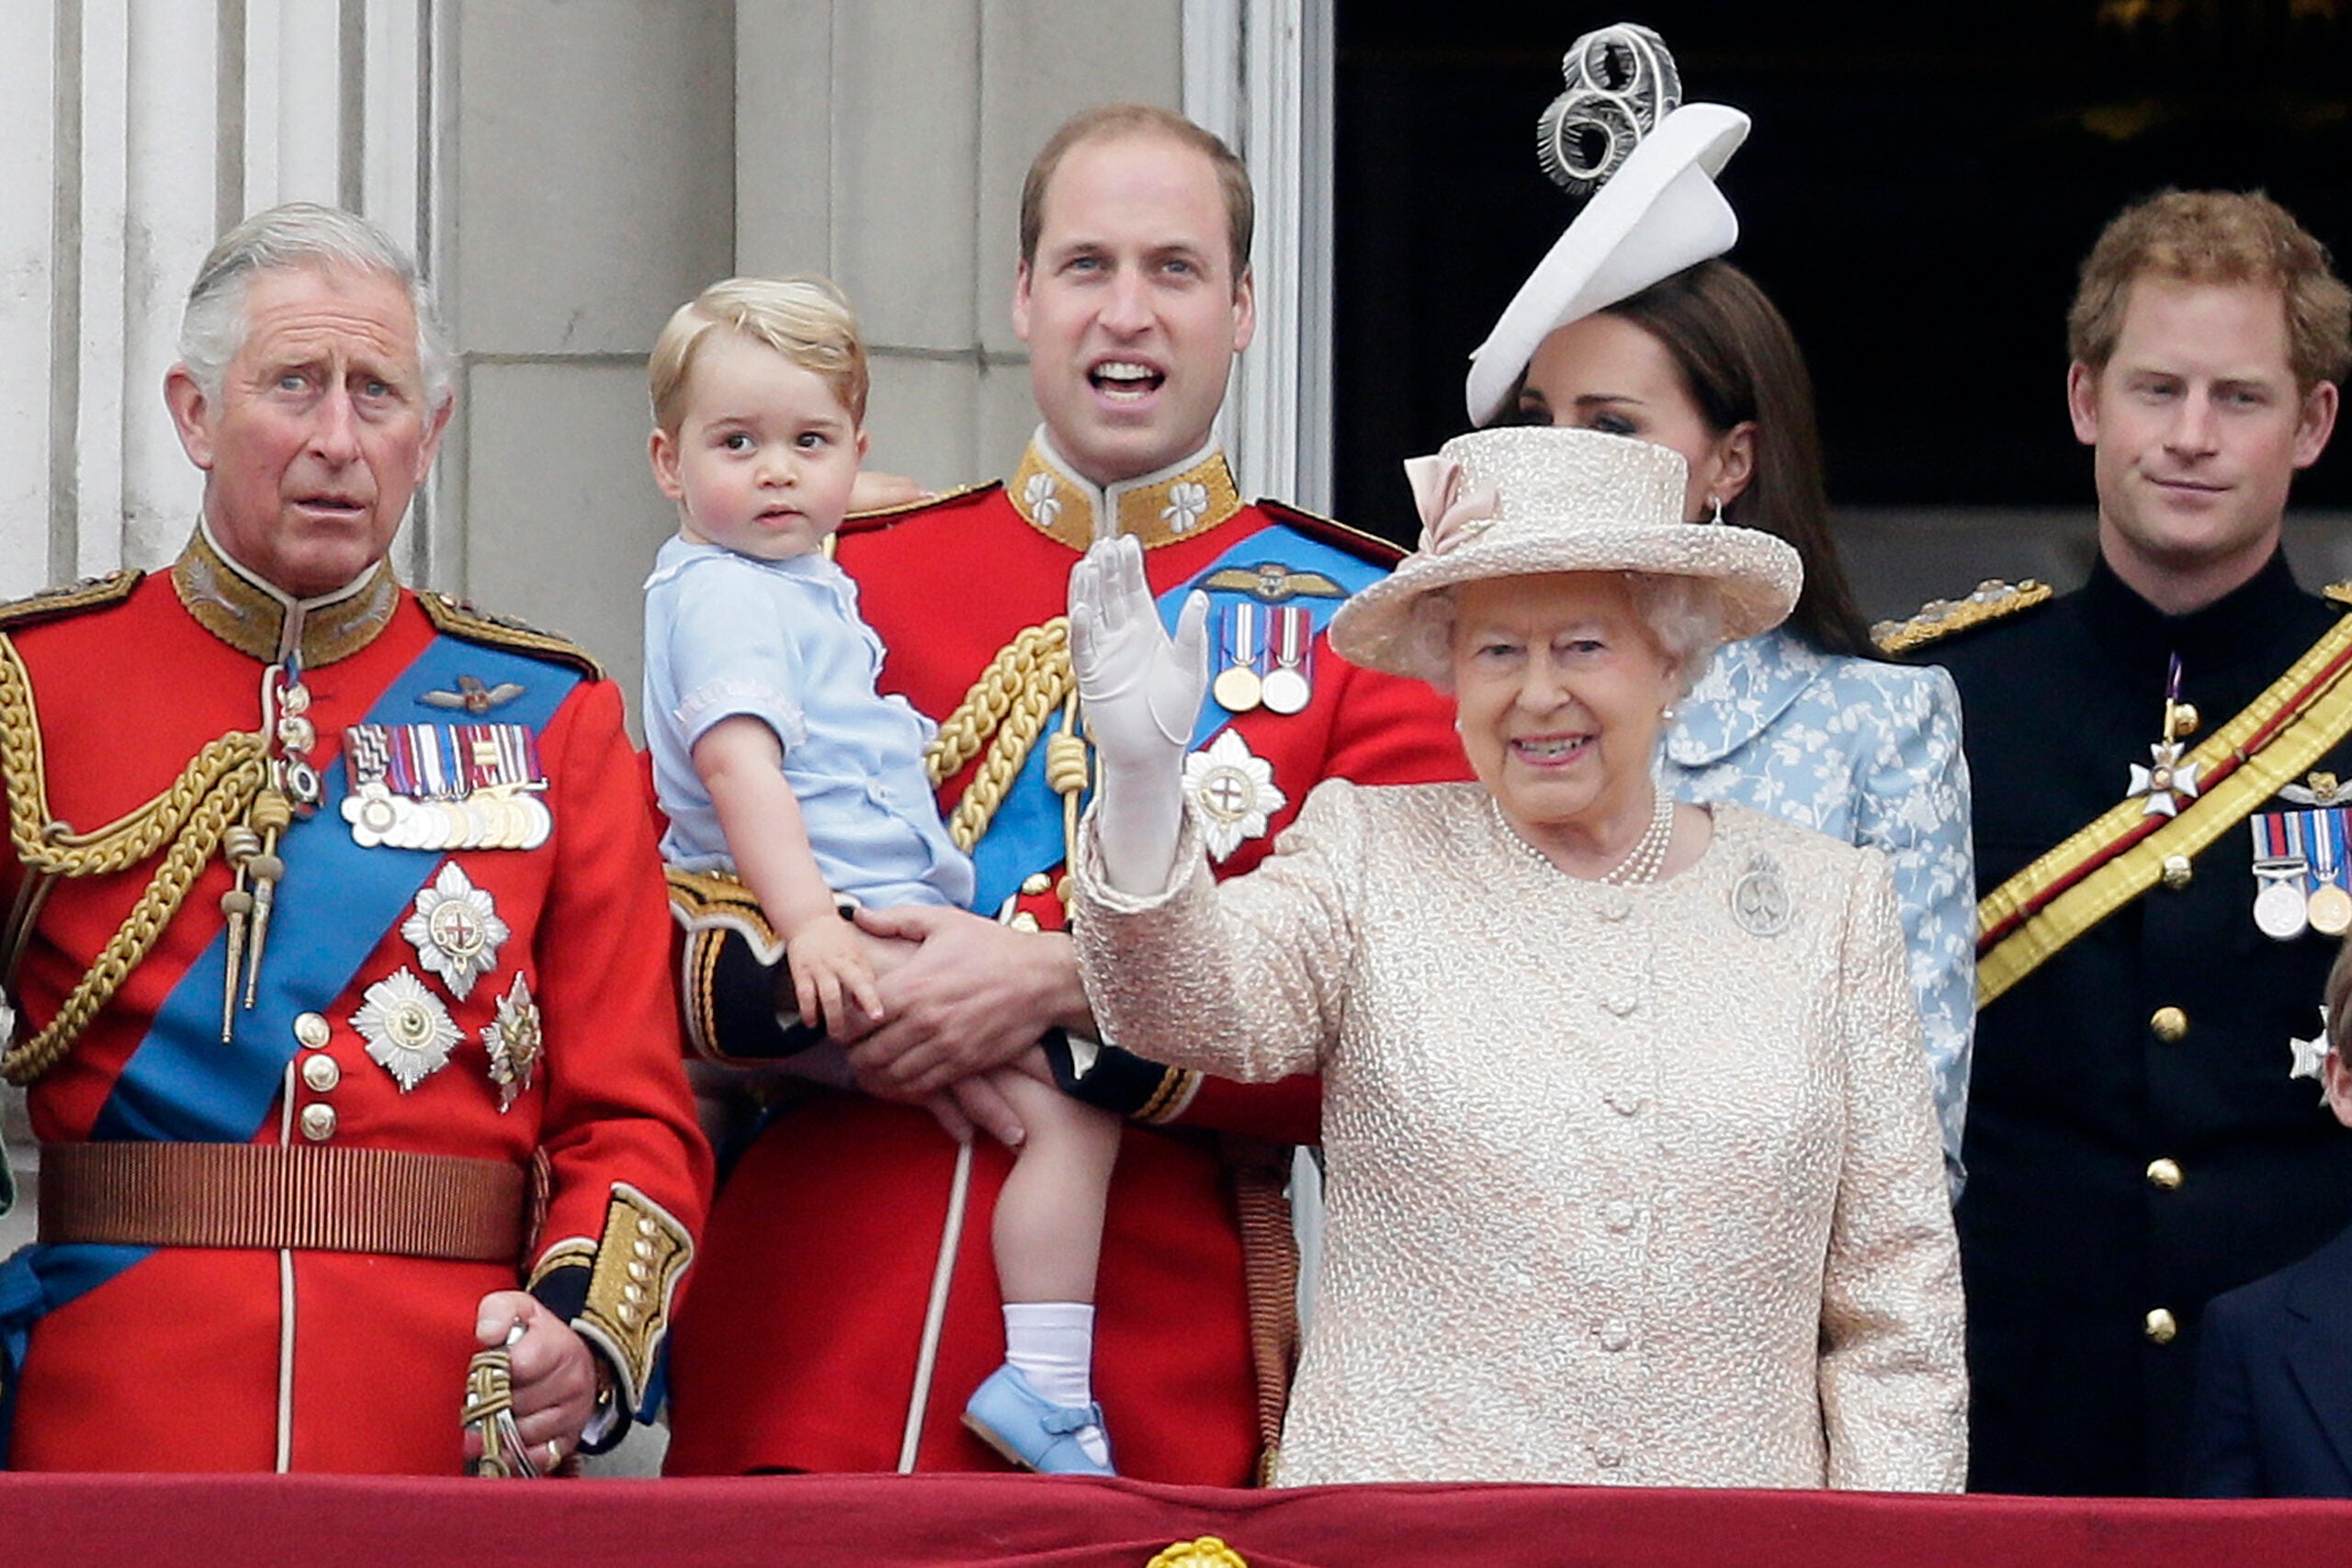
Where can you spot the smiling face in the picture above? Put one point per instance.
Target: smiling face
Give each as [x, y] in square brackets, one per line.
[1602, 372]
[2198, 429]
[765, 454]
[321, 432]
[1130, 308]
[1558, 687]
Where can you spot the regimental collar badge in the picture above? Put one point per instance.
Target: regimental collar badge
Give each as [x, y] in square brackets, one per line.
[1176, 502]
[457, 786]
[2168, 784]
[1235, 790]
[408, 1033]
[473, 696]
[514, 1044]
[455, 931]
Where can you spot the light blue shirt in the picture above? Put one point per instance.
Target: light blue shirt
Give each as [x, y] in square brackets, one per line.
[782, 642]
[1868, 753]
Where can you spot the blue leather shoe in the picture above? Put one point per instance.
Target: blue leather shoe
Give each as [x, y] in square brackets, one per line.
[1009, 1414]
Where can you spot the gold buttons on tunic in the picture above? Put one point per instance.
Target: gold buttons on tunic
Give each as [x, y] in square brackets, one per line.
[2178, 872]
[2160, 1328]
[2164, 1173]
[321, 1073]
[311, 1031]
[2168, 1025]
[318, 1123]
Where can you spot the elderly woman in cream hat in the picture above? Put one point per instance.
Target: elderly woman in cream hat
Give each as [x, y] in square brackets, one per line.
[1632, 1171]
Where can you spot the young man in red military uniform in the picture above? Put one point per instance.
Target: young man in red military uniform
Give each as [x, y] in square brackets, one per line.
[813, 1341]
[346, 1025]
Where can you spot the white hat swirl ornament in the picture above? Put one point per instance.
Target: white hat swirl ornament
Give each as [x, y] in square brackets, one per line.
[1620, 126]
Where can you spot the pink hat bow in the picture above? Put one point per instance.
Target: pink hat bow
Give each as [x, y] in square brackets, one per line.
[1452, 510]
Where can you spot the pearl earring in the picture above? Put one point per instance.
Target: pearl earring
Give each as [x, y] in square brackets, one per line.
[1716, 502]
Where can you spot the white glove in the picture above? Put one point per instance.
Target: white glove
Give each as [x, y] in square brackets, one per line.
[1141, 695]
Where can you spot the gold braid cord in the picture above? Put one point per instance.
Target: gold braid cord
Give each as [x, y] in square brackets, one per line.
[214, 790]
[1003, 714]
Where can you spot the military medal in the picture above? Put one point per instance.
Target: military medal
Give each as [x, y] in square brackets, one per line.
[2329, 906]
[2281, 912]
[408, 1033]
[438, 787]
[514, 1044]
[2168, 784]
[1292, 649]
[456, 929]
[1237, 687]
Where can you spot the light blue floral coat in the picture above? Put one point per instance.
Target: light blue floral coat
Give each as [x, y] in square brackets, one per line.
[1868, 753]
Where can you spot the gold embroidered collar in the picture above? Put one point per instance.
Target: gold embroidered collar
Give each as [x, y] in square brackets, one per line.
[1177, 503]
[260, 620]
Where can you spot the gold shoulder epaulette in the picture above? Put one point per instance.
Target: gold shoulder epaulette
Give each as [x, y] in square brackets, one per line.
[2339, 592]
[1331, 531]
[49, 603]
[453, 619]
[1940, 618]
[936, 498]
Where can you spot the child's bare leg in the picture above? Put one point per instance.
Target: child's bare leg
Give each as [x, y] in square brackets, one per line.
[1048, 1241]
[1048, 1229]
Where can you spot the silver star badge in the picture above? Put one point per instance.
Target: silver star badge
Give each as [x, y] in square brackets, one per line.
[514, 1044]
[2168, 786]
[1235, 790]
[2310, 1054]
[455, 931]
[408, 1031]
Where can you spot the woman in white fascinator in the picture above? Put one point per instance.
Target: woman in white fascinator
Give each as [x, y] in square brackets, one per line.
[1634, 324]
[1631, 1164]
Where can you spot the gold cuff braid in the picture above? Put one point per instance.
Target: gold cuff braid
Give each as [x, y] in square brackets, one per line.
[643, 1252]
[213, 791]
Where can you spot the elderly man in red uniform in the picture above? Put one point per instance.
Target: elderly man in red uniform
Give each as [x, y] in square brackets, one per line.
[333, 940]
[847, 1306]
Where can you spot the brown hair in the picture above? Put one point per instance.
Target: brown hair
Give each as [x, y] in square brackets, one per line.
[2335, 997]
[1739, 362]
[2222, 237]
[806, 319]
[1108, 122]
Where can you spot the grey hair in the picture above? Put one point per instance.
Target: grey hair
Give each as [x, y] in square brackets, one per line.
[299, 234]
[1684, 614]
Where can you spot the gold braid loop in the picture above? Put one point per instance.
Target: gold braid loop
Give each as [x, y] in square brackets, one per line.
[1065, 761]
[1003, 714]
[992, 696]
[213, 791]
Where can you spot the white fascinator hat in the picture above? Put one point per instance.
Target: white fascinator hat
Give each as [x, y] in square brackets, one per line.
[1620, 126]
[1526, 500]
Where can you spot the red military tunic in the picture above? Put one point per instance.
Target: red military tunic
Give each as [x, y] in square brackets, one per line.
[189, 1357]
[799, 1349]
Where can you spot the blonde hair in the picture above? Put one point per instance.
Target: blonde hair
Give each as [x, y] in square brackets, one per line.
[2221, 237]
[805, 319]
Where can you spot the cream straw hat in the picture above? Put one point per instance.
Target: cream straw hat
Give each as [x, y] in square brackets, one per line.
[1531, 499]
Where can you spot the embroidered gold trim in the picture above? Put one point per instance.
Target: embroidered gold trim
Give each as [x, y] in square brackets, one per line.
[51, 603]
[2324, 718]
[1159, 512]
[638, 1262]
[1994, 600]
[1170, 1099]
[249, 619]
[463, 621]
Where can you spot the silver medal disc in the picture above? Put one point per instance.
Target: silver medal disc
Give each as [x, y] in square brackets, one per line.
[2279, 911]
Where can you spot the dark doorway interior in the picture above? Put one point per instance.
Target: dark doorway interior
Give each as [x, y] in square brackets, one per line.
[1920, 186]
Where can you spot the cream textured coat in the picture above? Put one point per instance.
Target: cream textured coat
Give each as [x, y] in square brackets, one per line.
[1621, 1190]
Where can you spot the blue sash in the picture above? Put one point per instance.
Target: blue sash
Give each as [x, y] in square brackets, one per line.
[333, 905]
[1025, 835]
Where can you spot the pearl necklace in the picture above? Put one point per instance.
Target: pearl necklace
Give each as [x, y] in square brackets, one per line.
[1641, 864]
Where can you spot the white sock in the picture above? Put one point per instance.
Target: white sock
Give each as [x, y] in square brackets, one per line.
[1052, 1345]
